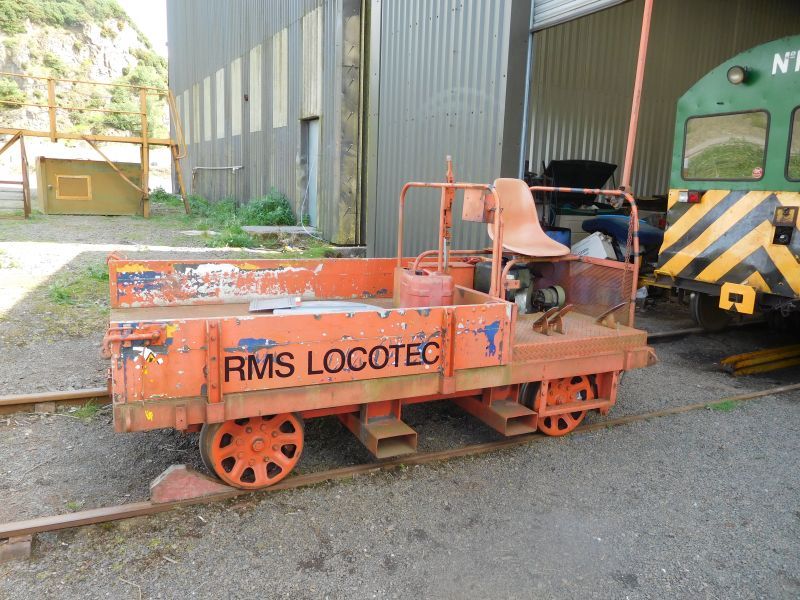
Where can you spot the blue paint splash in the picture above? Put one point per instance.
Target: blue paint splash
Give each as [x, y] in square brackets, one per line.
[490, 331]
[146, 280]
[251, 345]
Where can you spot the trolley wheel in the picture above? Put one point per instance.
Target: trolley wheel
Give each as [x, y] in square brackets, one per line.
[705, 311]
[563, 391]
[253, 452]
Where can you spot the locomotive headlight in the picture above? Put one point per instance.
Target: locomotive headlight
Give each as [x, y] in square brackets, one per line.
[737, 74]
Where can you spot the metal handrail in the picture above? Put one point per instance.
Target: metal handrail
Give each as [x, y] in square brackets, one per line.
[497, 246]
[633, 230]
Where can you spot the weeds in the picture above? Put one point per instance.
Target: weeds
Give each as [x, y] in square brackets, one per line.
[726, 406]
[161, 196]
[273, 209]
[97, 273]
[76, 305]
[232, 237]
[87, 411]
[73, 505]
[60, 294]
[227, 218]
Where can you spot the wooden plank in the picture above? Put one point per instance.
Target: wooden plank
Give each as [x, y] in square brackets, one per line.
[113, 166]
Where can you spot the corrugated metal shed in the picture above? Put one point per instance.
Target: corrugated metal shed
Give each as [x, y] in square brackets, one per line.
[232, 44]
[439, 73]
[584, 69]
[547, 13]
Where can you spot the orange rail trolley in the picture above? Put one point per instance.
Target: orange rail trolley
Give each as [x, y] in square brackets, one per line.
[522, 335]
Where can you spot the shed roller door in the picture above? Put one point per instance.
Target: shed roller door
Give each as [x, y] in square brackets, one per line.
[547, 13]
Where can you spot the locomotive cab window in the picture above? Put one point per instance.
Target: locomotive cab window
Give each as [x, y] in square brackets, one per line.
[730, 146]
[793, 162]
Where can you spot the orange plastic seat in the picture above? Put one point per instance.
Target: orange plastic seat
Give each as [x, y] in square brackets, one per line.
[522, 233]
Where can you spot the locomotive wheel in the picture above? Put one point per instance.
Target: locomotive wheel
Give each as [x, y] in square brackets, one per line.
[705, 311]
[253, 452]
[563, 391]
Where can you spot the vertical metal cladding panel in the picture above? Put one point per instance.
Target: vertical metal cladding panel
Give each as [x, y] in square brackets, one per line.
[312, 63]
[442, 91]
[547, 13]
[584, 70]
[206, 36]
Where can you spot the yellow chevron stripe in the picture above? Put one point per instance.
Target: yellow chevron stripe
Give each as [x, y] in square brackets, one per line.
[736, 253]
[728, 219]
[789, 199]
[757, 281]
[690, 218]
[788, 265]
[672, 198]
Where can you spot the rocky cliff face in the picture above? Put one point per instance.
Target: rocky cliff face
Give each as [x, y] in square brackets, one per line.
[110, 51]
[84, 40]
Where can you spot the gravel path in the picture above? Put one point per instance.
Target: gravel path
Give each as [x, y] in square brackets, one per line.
[697, 505]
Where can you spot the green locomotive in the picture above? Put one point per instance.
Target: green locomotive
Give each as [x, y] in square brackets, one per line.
[734, 198]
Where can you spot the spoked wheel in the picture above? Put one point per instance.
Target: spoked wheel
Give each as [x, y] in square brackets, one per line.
[562, 391]
[254, 452]
[705, 311]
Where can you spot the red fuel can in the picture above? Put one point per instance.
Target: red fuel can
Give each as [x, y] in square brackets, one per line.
[422, 288]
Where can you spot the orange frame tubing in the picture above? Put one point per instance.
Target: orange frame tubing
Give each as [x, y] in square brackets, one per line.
[499, 273]
[633, 232]
[497, 246]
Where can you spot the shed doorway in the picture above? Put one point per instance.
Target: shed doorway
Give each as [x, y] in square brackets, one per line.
[310, 141]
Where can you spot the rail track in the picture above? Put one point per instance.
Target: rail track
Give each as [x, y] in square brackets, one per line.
[49, 401]
[21, 530]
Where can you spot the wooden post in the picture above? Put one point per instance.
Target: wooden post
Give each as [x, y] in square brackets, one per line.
[179, 175]
[51, 107]
[26, 186]
[145, 155]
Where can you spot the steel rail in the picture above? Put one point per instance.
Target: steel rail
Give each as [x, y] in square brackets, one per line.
[663, 335]
[23, 402]
[94, 516]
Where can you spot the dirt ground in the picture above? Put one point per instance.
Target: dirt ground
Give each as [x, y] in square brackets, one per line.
[701, 504]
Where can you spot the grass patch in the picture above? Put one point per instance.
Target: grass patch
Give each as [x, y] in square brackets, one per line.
[76, 304]
[313, 248]
[726, 406]
[87, 411]
[232, 237]
[73, 505]
[273, 209]
[60, 294]
[226, 217]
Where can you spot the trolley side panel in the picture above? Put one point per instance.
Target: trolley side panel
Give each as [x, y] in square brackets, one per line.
[165, 283]
[278, 351]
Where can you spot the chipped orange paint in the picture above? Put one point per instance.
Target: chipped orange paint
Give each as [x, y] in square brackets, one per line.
[161, 283]
[186, 350]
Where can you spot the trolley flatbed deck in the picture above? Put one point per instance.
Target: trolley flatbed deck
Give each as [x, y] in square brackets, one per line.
[521, 342]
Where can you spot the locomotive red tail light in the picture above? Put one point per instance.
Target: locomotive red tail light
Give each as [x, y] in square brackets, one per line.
[694, 196]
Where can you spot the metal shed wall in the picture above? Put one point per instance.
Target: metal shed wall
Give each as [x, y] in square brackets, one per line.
[583, 75]
[547, 13]
[206, 36]
[439, 74]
